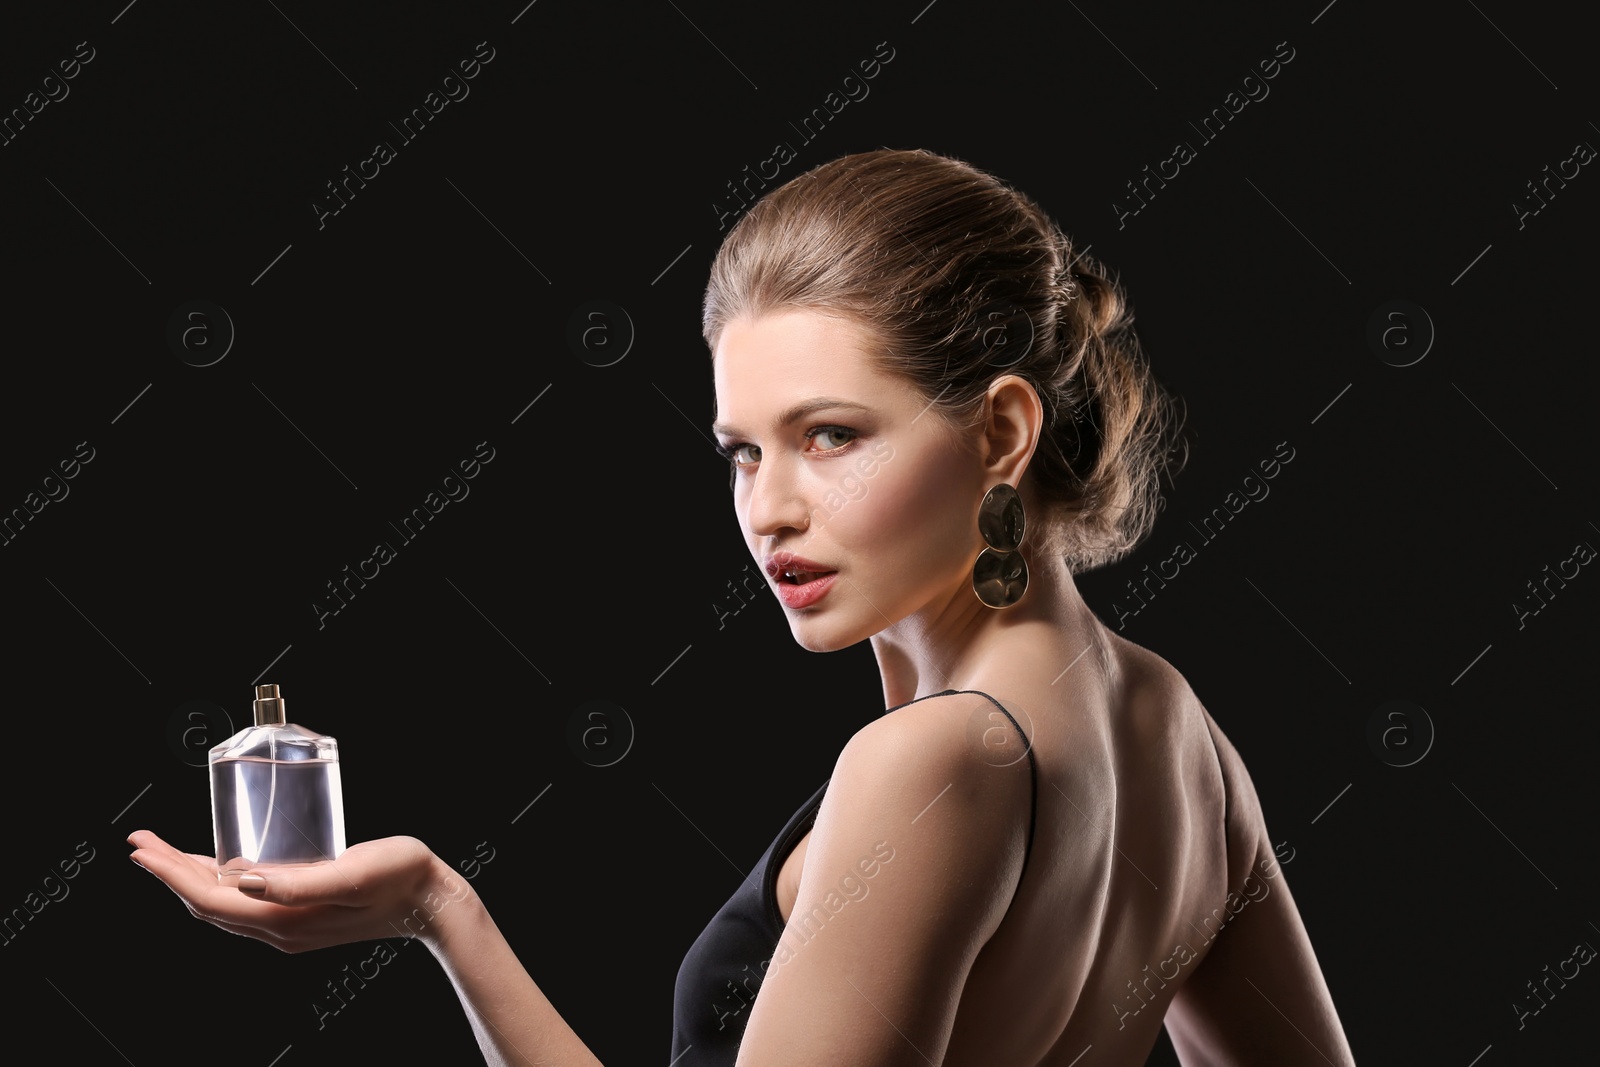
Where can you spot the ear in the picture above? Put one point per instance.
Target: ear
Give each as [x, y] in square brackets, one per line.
[1014, 420]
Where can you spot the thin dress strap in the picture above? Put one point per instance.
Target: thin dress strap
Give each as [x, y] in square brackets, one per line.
[1033, 764]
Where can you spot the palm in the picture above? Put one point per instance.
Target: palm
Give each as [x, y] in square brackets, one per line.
[373, 890]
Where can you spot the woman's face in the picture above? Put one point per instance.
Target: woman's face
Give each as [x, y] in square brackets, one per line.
[846, 467]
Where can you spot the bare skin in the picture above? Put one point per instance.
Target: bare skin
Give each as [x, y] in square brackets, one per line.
[1139, 904]
[1126, 759]
[1130, 857]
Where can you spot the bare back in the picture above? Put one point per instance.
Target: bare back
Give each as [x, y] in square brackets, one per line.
[1151, 893]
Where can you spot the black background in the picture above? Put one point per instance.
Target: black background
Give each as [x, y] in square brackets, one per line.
[375, 352]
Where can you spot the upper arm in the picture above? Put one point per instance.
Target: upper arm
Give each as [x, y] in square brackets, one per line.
[1259, 996]
[912, 862]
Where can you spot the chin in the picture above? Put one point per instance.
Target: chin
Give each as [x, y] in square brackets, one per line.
[814, 642]
[813, 636]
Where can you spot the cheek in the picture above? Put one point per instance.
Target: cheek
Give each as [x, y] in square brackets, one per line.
[911, 519]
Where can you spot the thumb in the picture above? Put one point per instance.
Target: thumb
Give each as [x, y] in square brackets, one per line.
[315, 883]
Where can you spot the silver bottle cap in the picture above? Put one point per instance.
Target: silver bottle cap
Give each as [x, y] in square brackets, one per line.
[268, 706]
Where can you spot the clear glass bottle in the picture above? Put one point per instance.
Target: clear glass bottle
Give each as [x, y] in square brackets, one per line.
[275, 796]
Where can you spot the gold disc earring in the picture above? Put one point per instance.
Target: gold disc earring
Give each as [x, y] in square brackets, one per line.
[1000, 575]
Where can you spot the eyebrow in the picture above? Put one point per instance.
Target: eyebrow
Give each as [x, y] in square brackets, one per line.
[799, 411]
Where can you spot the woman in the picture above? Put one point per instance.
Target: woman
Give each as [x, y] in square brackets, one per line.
[935, 414]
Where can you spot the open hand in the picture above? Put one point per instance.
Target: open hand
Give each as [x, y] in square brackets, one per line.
[394, 886]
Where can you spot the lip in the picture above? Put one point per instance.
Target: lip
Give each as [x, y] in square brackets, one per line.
[803, 596]
[779, 562]
[799, 596]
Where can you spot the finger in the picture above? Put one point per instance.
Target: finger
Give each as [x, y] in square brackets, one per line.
[197, 887]
[193, 878]
[194, 869]
[389, 867]
[148, 839]
[330, 882]
[179, 870]
[144, 840]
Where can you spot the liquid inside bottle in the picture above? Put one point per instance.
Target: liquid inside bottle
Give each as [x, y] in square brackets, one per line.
[277, 811]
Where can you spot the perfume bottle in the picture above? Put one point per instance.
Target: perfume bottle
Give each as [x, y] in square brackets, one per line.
[275, 796]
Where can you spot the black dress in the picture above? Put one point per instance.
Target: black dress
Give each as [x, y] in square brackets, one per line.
[722, 972]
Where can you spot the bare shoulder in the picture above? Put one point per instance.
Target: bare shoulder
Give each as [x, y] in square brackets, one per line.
[1158, 698]
[954, 735]
[952, 764]
[936, 838]
[1150, 672]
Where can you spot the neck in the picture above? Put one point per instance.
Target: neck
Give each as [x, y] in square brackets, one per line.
[955, 641]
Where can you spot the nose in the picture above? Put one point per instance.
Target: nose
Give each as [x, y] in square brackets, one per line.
[777, 500]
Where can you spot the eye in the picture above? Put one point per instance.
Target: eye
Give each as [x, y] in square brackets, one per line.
[832, 431]
[732, 452]
[741, 454]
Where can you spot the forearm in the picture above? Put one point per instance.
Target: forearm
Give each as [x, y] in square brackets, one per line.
[514, 1020]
